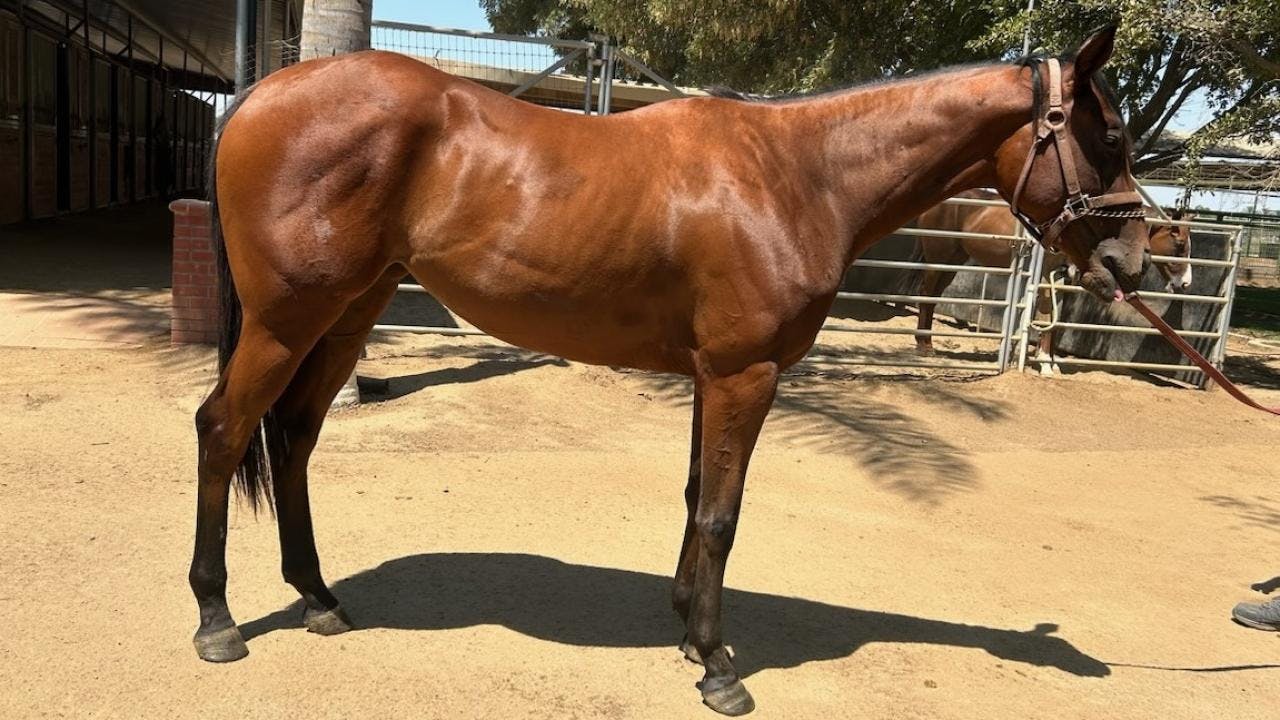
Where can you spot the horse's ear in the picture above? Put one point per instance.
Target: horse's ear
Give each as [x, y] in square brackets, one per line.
[1095, 52]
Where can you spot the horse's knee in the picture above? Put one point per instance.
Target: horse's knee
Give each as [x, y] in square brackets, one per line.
[717, 530]
[216, 447]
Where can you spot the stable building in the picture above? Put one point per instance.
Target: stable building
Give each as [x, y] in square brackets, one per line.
[108, 102]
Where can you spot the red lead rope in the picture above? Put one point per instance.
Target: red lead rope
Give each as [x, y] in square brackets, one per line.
[1175, 340]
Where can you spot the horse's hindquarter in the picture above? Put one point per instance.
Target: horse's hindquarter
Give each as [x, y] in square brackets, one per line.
[614, 241]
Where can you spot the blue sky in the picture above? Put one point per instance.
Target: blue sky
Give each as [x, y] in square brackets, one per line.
[464, 14]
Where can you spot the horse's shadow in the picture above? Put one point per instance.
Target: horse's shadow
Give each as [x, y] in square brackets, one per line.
[605, 607]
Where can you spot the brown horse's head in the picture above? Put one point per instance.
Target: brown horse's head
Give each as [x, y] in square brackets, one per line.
[1068, 172]
[1172, 241]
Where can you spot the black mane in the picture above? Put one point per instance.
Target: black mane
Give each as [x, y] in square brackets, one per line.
[722, 91]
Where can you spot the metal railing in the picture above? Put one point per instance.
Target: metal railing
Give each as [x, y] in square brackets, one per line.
[1223, 297]
[591, 75]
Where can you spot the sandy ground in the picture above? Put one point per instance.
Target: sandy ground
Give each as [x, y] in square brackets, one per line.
[502, 527]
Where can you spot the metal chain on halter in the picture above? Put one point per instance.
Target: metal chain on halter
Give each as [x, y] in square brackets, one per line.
[1053, 126]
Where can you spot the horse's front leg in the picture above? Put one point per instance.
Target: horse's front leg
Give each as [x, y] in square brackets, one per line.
[733, 409]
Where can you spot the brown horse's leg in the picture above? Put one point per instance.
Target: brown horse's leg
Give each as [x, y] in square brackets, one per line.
[257, 373]
[934, 282]
[1044, 347]
[733, 410]
[300, 412]
[682, 590]
[924, 343]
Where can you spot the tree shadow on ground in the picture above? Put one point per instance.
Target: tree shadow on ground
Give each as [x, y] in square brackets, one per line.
[1257, 370]
[1257, 511]
[605, 607]
[109, 316]
[899, 451]
[399, 386]
[814, 407]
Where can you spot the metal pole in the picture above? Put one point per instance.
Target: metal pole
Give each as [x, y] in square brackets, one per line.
[132, 120]
[983, 294]
[1010, 305]
[264, 49]
[92, 110]
[246, 32]
[27, 114]
[591, 65]
[606, 77]
[1028, 314]
[1026, 35]
[1224, 320]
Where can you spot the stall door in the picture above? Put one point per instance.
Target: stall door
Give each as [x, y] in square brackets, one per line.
[43, 183]
[11, 180]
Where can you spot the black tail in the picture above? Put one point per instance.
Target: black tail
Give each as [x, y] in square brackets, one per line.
[253, 476]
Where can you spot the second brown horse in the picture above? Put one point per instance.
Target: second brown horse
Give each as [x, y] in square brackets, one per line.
[1165, 240]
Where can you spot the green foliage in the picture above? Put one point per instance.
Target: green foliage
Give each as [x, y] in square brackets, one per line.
[1223, 53]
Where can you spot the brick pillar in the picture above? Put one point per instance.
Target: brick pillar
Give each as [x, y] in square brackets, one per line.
[195, 278]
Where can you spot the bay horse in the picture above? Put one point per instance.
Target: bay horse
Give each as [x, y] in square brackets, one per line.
[701, 236]
[1164, 239]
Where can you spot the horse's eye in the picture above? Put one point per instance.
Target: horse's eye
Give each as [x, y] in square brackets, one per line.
[1111, 139]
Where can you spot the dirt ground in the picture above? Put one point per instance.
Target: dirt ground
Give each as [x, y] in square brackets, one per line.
[501, 527]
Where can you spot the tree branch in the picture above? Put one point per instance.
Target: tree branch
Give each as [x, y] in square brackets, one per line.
[1170, 82]
[1153, 136]
[1251, 56]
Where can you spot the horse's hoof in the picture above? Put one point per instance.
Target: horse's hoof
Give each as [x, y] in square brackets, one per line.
[220, 646]
[732, 699]
[327, 622]
[690, 652]
[925, 350]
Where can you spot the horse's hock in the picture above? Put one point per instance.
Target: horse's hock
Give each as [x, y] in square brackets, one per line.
[195, 276]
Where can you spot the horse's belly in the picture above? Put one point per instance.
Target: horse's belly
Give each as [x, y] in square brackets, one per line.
[590, 321]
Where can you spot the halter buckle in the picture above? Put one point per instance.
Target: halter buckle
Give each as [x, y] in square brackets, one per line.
[1078, 206]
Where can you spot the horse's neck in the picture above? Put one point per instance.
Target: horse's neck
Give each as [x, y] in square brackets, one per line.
[896, 150]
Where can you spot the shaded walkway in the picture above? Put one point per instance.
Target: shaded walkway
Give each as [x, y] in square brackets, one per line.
[93, 280]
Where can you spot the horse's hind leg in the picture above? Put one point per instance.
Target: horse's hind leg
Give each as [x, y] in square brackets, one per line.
[934, 282]
[733, 409]
[300, 413]
[682, 588]
[264, 361]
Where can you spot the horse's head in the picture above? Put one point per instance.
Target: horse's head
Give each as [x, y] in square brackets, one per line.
[1172, 241]
[1067, 172]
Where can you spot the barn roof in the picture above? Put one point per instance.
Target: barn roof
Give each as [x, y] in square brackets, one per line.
[201, 32]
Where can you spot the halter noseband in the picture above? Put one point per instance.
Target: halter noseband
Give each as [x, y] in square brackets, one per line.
[1053, 126]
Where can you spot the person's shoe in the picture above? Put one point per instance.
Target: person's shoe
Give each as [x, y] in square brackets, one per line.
[1265, 616]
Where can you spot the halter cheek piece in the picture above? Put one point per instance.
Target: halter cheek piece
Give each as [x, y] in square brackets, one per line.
[1053, 126]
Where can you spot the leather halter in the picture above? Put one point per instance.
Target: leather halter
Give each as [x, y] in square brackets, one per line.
[1053, 126]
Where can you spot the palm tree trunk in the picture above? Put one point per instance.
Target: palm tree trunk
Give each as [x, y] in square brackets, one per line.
[331, 27]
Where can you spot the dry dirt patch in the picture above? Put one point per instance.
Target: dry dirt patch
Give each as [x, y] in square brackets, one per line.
[502, 527]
